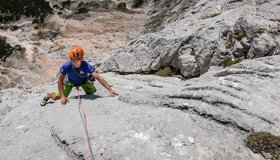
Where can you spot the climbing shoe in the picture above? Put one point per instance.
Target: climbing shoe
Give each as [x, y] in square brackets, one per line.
[45, 100]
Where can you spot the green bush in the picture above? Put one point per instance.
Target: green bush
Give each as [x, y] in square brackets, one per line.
[5, 49]
[106, 5]
[166, 72]
[137, 3]
[122, 7]
[239, 34]
[264, 142]
[228, 61]
[232, 37]
[13, 9]
[66, 4]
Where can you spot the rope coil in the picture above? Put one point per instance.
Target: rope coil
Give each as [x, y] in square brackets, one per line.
[84, 120]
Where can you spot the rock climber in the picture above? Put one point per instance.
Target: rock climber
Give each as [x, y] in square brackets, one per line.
[74, 73]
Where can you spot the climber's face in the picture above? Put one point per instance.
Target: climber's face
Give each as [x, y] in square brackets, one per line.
[76, 62]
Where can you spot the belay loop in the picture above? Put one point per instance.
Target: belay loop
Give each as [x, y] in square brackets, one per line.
[84, 120]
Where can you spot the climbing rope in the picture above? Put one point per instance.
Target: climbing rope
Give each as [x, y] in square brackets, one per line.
[84, 120]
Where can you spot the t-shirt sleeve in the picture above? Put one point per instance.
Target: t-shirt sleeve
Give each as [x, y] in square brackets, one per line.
[63, 69]
[91, 68]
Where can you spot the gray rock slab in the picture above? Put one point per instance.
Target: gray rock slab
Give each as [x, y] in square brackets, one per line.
[152, 118]
[213, 30]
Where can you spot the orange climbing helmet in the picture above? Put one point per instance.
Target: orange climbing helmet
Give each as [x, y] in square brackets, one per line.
[76, 53]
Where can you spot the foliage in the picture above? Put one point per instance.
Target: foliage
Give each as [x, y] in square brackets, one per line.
[5, 49]
[13, 9]
[137, 3]
[232, 37]
[239, 34]
[166, 72]
[264, 142]
[122, 7]
[66, 4]
[228, 61]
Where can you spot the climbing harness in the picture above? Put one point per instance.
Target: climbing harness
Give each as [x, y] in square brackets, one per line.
[84, 120]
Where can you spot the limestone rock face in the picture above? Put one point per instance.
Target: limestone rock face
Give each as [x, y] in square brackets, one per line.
[213, 30]
[39, 49]
[152, 118]
[187, 62]
[261, 46]
[206, 114]
[148, 54]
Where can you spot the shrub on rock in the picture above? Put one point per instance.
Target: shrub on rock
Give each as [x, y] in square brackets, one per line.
[264, 143]
[5, 49]
[13, 9]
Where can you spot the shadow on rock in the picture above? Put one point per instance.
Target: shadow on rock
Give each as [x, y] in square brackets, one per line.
[91, 97]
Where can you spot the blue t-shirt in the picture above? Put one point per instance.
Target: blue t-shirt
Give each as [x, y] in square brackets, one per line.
[77, 75]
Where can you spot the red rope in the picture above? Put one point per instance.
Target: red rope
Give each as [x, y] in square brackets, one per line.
[84, 120]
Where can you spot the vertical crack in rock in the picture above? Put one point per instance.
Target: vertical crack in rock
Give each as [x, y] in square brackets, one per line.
[64, 145]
